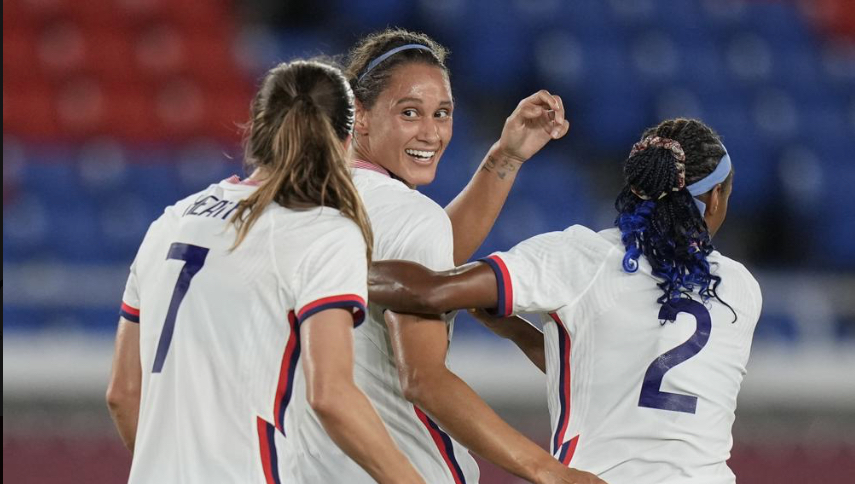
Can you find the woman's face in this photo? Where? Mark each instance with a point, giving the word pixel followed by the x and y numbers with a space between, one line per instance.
pixel 410 124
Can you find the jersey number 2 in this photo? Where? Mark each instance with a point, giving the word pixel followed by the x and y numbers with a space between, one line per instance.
pixel 651 395
pixel 194 258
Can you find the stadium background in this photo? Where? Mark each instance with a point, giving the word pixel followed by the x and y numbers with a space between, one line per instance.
pixel 114 109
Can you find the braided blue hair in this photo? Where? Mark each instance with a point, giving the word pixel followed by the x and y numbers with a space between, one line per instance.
pixel 657 216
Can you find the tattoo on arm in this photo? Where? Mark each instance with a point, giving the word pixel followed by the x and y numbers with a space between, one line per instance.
pixel 501 167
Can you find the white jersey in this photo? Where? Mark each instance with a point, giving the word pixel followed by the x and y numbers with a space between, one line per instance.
pixel 219 332
pixel 407 225
pixel 637 394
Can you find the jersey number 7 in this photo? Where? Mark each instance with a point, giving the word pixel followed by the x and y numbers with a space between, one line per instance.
pixel 194 258
pixel 651 395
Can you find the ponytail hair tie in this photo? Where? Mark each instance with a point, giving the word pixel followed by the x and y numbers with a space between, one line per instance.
pixel 679 160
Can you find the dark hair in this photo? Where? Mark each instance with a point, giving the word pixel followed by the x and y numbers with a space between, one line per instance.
pixel 300 117
pixel 367 87
pixel 657 215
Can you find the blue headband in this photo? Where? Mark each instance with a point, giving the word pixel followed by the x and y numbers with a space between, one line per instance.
pixel 392 52
pixel 708 182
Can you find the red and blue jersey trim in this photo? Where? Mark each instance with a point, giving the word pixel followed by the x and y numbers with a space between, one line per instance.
pixel 267 446
pixel 444 445
pixel 563 451
pixel 345 301
pixel 130 313
pixel 285 386
pixel 505 303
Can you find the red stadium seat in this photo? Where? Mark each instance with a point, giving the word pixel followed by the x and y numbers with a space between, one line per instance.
pixel 28 112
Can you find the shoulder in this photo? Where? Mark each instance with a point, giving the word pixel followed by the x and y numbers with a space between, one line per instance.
pixel 314 223
pixel 390 202
pixel 597 244
pixel 730 268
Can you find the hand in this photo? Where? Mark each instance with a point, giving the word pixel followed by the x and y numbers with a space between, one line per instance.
pixel 537 119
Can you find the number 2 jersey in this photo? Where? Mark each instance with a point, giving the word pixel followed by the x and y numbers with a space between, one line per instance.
pixel 637 393
pixel 219 331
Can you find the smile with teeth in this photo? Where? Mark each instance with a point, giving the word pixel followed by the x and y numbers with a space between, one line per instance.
pixel 420 155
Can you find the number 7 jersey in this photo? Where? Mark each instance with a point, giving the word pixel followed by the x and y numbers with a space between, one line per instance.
pixel 219 332
pixel 638 392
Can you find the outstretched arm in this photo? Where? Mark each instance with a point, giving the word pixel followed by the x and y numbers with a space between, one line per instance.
pixel 327 345
pixel 536 120
pixel 420 346
pixel 412 288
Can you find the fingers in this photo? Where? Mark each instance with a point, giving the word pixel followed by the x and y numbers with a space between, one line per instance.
pixel 548 110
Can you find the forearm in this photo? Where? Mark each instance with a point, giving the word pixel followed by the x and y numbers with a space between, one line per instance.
pixel 474 211
pixel 467 418
pixel 125 416
pixel 357 429
pixel 409 287
pixel 528 339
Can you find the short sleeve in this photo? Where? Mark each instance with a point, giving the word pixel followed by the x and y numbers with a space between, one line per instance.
pixel 548 271
pixel 130 309
pixel 333 274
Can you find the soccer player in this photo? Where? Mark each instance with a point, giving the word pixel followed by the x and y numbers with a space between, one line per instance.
pixel 403 124
pixel 241 303
pixel 647 328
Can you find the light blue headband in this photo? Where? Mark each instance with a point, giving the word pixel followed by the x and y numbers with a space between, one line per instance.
pixel 392 52
pixel 709 182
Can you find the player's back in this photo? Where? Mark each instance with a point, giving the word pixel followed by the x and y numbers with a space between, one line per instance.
pixel 648 394
pixel 218 335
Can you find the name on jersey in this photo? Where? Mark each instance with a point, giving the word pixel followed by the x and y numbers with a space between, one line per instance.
pixel 211 207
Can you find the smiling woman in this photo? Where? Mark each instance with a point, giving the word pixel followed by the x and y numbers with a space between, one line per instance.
pixel 404 109
pixel 403 124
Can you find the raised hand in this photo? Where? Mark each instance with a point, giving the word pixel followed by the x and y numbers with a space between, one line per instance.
pixel 536 120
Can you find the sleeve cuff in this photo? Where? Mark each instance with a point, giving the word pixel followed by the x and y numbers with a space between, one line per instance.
pixel 505 303
pixel 130 313
pixel 348 301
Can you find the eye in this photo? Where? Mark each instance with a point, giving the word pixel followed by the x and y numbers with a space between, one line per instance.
pixel 442 114
pixel 410 113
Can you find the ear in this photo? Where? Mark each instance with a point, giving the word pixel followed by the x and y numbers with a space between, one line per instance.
pixel 360 124
pixel 716 197
pixel 347 141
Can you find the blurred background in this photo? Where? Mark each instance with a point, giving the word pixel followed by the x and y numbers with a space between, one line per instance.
pixel 116 108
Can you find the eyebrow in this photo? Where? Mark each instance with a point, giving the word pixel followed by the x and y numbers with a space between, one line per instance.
pixel 419 101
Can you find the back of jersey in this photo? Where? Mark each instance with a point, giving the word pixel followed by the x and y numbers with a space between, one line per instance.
pixel 638 392
pixel 652 389
pixel 219 339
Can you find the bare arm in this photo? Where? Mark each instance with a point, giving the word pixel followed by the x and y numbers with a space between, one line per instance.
pixel 525 335
pixel 420 351
pixel 123 392
pixel 409 287
pixel 327 345
pixel 536 120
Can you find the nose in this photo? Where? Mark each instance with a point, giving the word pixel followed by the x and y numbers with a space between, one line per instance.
pixel 428 131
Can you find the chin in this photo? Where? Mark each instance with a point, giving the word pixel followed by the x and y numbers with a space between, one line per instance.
pixel 421 177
